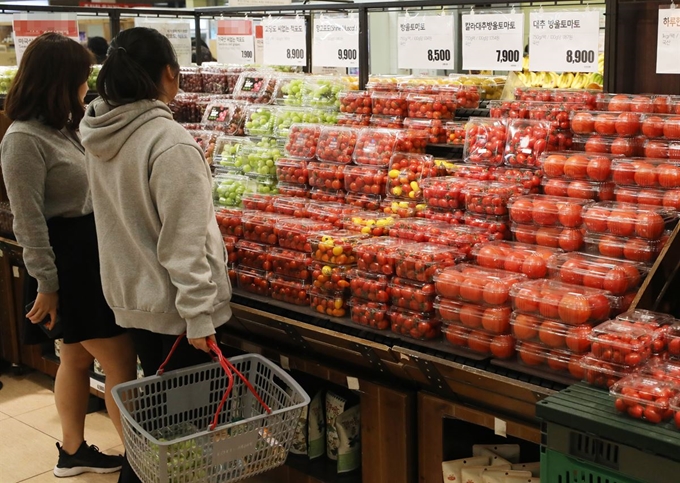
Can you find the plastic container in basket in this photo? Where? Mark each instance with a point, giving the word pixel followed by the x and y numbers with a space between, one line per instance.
pixel 485 141
pixel 355 102
pixel 645 398
pixel 628 220
pixel 538 356
pixel 414 324
pixel 375 146
pixel 253 255
pixel 530 260
pixel 369 314
pixel 436 133
pixel 578 166
pixel 544 210
pixel 646 173
pixel 256 87
pixel 295 292
pixel 332 213
pixel 476 285
pixel 336 144
pixel 195 438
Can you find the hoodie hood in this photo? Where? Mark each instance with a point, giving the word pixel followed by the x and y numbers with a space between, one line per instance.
pixel 105 129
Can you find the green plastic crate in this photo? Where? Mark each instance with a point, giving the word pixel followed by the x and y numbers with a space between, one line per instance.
pixel 557 467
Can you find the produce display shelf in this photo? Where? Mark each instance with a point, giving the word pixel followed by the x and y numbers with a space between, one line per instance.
pixel 516 366
pixel 590 410
pixel 556 466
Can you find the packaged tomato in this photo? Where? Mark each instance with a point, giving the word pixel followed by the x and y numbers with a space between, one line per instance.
pixel 334 305
pixel 646 173
pixel 477 285
pixel 293 292
pixel 584 97
pixel 661 324
pixel 536 355
pixel 616 276
pixel 253 255
pixel 451 217
pixel 291 170
pixel 377 255
pixel 336 247
pixel 623 342
pixel 302 141
pixel 490 320
pixel 290 263
pixel 616 145
pixel 668 198
pixel 295 233
pixel 333 213
pixel 464 238
pixel 369 314
pixel 665 104
pixel 259 227
pixel 436 132
pixel 291 206
pixel 485 141
pixel 479 341
pixel 370 223
pixel 413 324
pixel 570 304
pixel 421 261
pixel 603 374
pixel 364 202
pixel 253 281
pixel 354 120
pixel 572 166
pixel 645 398
pixel 365 179
pixel 375 146
pixel 455 133
pixel 230 244
pixel 490 197
pixel 390 104
pixel 673 340
pixel 336 144
pixel 530 260
pixel 259 201
pixel 293 190
pixel 355 102
pixel 549 211
pixel 635 248
pixel 466 96
pixel 419 230
pixel 526 141
pixel 528 179
pixel 387 122
pixel 368 286
pixel 658 148
pixel 476 172
pixel 607 123
pixel 624 102
pixel 411 141
pixel 401 208
pixel 629 220
pixel 431 106
pixel 551 333
pixel 444 192
pixel 330 278
pixel 497 226
pixel 405 174
pixel 659 370
pixel 256 87
pixel 229 221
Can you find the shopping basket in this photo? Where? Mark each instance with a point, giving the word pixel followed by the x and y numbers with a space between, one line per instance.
pixel 186 426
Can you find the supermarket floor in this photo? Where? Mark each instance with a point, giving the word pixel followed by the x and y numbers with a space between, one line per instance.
pixel 29 429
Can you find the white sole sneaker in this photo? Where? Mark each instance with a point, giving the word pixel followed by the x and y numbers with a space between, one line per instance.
pixel 79 470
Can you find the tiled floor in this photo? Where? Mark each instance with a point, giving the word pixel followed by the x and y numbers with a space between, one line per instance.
pixel 29 430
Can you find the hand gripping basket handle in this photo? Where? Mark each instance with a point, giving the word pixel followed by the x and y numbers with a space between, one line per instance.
pixel 229 369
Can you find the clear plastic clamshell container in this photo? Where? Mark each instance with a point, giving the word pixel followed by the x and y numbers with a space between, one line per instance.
pixel 579 189
pixel 629 220
pixel 616 145
pixel 355 102
pixel 606 123
pixel 295 292
pixel 485 141
pixel 370 223
pixel 228 189
pixel 586 97
pixel 623 342
pixel 538 356
pixel 444 192
pixel 420 230
pixel 332 213
pixel 302 140
pixel 333 305
pixel 635 248
pixel 405 175
pixel 668 198
pixel 253 255
pixel 378 255
pixel 527 259
pixel 365 179
pixel 477 285
pixel 464 238
pixel 527 140
pixel 548 211
pixel 292 170
pixel 370 314
pixel 551 333
pixel 415 325
pixel 645 398
pixel 295 233
pixel 336 247
pixel 603 374
pixel 646 173
pixel 336 144
pixel 491 197
pixel 421 261
pixel 328 176
pixel 290 263
pixel 229 221
pixel 227 149
pixel 259 226
pixel 572 166
pixel 489 319
pixel 290 206
pixel 260 120
pixel 253 281
pixel 224 116
pixel 375 146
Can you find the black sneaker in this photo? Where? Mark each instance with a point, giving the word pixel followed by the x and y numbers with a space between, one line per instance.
pixel 88 459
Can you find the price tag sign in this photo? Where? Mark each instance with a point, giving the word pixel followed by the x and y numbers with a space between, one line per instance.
pixel 668 42
pixel 29 26
pixel 425 42
pixel 493 41
pixel 285 41
pixel 336 42
pixel 259 44
pixel 564 41
pixel 235 43
pixel 178 32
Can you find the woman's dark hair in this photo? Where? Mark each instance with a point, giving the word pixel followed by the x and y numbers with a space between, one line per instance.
pixel 99 47
pixel 47 84
pixel 134 67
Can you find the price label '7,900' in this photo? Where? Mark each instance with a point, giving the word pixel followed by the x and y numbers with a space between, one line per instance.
pixel 493 41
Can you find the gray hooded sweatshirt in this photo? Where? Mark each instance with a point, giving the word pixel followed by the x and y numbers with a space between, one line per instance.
pixel 163 260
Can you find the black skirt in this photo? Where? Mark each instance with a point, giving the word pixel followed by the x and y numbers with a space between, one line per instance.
pixel 84 313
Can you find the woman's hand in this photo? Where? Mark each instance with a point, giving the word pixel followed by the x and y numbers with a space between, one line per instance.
pixel 45 304
pixel 202 343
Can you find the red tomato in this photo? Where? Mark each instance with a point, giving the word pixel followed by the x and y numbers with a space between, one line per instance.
pixel 649 225
pixel 571 239
pixel 582 190
pixel 621 222
pixel 656 149
pixel 594 277
pixel 627 124
pixel 650 197
pixel 616 281
pixel 610 246
pixel 577 338
pixel 457 336
pixel 535 267
pixel 557 361
pixel 448 284
pixel 671 199
pixel 583 123
pixel 526 234
pixel 599 168
pixel 548 237
pixel 503 346
pixel 545 213
pixel 497 320
pixel 572 272
pixel 605 124
pixel 479 342
pixel 641 104
pixel 671 128
pixel 570 215
pixel 619 103
pixel 575 368
pixel 637 250
pixel 496 292
pixel 532 354
pixel 556 187
pixel 553 166
pixel 599 307
pixel 668 176
pixel 652 127
pixel 623 146
pixel 576 167
pixel 526 300
pixel 595 219
pixel 574 309
pixel 645 174
pixel 471 316
pixel 552 334
pixel 596 144
pixel 548 305
pixel 521 210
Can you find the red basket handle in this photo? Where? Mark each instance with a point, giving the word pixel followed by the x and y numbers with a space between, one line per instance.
pixel 229 369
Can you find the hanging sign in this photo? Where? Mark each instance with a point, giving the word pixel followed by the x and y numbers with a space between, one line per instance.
pixel 28 26
pixel 336 42
pixel 564 41
pixel 259 44
pixel 235 43
pixel 178 32
pixel 285 41
pixel 425 42
pixel 493 41
pixel 668 41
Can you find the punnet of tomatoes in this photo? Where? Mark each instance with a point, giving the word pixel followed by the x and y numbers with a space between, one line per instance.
pixel 497 226
pixel 477 172
pixel 433 128
pixel 327 176
pixel 578 166
pixel 454 217
pixel 491 320
pixel 485 141
pixel 258 202
pixel 662 325
pixel 603 374
pixel 570 304
pixel 645 398
pixel 629 220
pixel 291 170
pixel 579 189
pixel 516 257
pixel 412 141
pixel 501 346
pixel 616 276
pixel 375 146
pixel 668 198
pixel 414 324
pixel 336 247
pixel 585 97
pixel 293 190
pixel 387 122
pixel 476 285
pixel 259 227
pixel 464 238
pixel 290 291
pixel 389 104
pixel 455 133
pixel 229 221
pixel 666 104
pixel 369 314
pixel 421 261
pixel 290 263
pixel 444 192
pixel 355 102
pixel 660 370
pixel 661 126
pixel 364 202
pixel 401 208
pixel 405 174
pixel 607 123
pixel 528 179
pixel 334 305
pixel 294 234
pixel 556 112
pixel 526 141
pixel 673 340
pixel 616 145
pixel 490 197
pixel 333 213
pixel 252 280
pixel 624 102
pixel 230 244
pixel 354 120
pixel 253 255
pixel 646 173
pixel 302 140
pixel 330 278
pixel 623 342
pixel 419 230
pixel 659 148
pixel 411 295
pixel 551 333
pixel 327 195
pixel 537 355
pixel 377 255
pixel 370 223
pixel 634 248
pixel 431 106
pixel 368 180
pixel 291 206
pixel 336 144
pixel 466 96
pixel 368 286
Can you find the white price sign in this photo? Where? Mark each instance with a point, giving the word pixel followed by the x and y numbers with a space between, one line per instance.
pixel 336 42
pixel 28 26
pixel 426 42
pixel 668 42
pixel 564 41
pixel 235 43
pixel 285 41
pixel 178 32
pixel 493 41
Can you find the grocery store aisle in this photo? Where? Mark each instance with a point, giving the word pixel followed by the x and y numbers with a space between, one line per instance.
pixel 29 429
